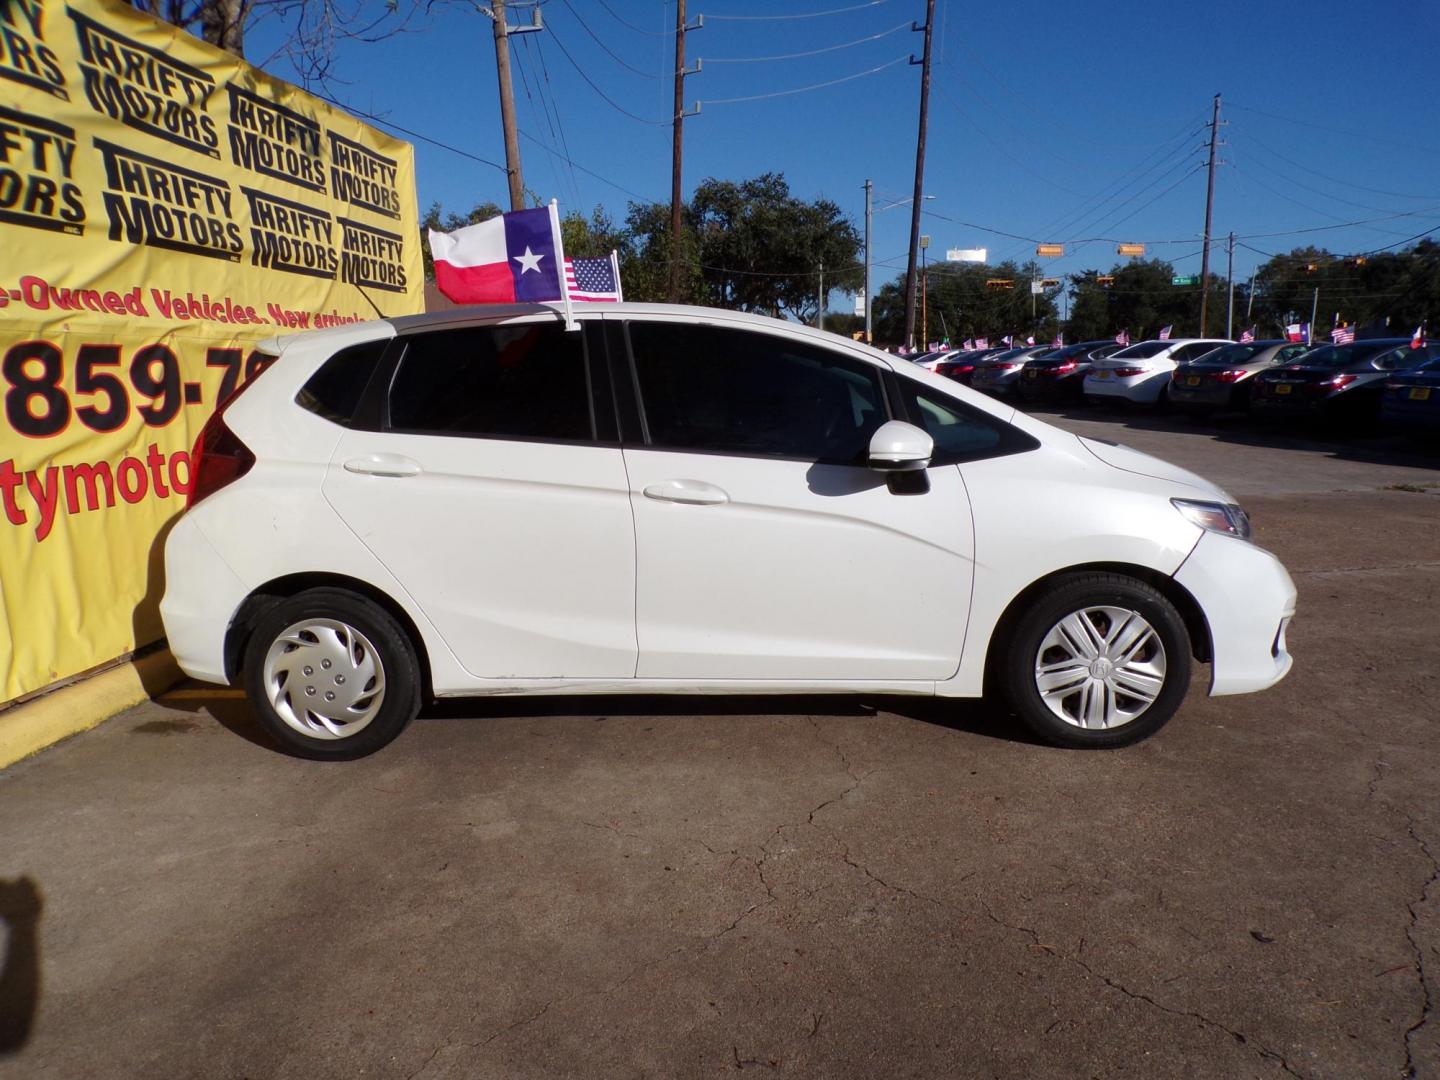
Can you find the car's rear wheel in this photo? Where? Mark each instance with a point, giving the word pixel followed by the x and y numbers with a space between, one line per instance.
pixel 1100 660
pixel 331 674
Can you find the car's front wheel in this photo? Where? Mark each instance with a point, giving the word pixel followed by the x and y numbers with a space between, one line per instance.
pixel 1099 660
pixel 331 674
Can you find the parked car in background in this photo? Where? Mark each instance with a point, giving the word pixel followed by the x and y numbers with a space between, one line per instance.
pixel 1339 385
pixel 998 374
pixel 1140 374
pixel 961 366
pixel 1221 378
pixel 1059 375
pixel 930 360
pixel 388 513
pixel 1410 401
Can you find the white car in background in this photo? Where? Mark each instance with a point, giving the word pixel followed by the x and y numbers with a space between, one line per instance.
pixel 1140 373
pixel 688 501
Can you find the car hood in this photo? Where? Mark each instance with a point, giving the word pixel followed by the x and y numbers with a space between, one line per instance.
pixel 1133 461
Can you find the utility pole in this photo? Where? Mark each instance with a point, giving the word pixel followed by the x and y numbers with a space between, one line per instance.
pixel 820 300
pixel 676 197
pixel 1250 298
pixel 496 11
pixel 919 174
pixel 1314 308
pixel 924 293
pixel 1230 289
pixel 869 338
pixel 1209 207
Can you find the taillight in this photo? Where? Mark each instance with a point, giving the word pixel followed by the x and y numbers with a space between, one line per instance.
pixel 219 458
pixel 1010 367
pixel 1068 365
pixel 1229 376
pixel 1339 382
pixel 1126 372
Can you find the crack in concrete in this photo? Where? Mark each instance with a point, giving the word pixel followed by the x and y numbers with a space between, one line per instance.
pixel 1367 569
pixel 1426 1002
pixel 745 1063
pixel 1206 1021
pixel 517 1024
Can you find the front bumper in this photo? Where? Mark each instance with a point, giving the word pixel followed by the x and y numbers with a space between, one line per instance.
pixel 1248 600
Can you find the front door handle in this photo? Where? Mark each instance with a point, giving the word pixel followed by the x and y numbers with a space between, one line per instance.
pixel 383 465
pixel 690 492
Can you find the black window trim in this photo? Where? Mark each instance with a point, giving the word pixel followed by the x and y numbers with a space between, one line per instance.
pixel 1012 439
pixel 395 356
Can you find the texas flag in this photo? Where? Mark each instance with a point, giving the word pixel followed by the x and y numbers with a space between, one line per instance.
pixel 1164 334
pixel 1008 340
pixel 1417 340
pixel 1297 332
pixel 511 258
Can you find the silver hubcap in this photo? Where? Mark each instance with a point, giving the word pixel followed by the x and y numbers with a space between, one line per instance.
pixel 1100 667
pixel 324 679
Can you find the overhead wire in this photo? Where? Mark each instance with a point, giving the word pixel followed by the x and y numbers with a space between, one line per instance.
pixel 945 95
pixel 1332 130
pixel 601 93
pixel 1334 179
pixel 632 26
pixel 523 54
pixel 802 55
pixel 373 118
pixel 609 51
pixel 549 93
pixel 804 89
pixel 800 15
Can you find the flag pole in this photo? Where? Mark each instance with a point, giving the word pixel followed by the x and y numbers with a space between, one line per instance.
pixel 570 323
pixel 615 269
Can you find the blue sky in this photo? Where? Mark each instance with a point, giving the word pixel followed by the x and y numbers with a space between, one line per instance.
pixel 1052 122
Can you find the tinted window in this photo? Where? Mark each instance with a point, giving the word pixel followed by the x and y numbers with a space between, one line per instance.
pixel 1405 357
pixel 1228 355
pixel 1290 353
pixel 508 382
pixel 1142 350
pixel 1337 356
pixel 335 390
pixel 960 432
pixel 738 392
pixel 1193 351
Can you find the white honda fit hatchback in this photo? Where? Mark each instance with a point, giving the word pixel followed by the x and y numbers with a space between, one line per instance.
pixel 682 500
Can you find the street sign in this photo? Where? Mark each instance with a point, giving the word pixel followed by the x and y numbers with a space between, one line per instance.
pixel 1000 283
pixel 973 255
pixel 1050 282
pixel 1192 279
pixel 1130 249
pixel 1037 287
pixel 1049 251
pixel 1105 279
pixel 859 303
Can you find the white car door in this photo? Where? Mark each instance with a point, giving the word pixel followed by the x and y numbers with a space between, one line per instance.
pixel 765 548
pixel 487 491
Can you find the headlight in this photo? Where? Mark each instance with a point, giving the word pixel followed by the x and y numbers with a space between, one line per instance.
pixel 1226 518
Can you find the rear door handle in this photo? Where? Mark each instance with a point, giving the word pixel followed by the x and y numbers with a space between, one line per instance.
pixel 690 492
pixel 383 465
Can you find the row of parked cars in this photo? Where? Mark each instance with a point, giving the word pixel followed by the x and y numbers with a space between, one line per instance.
pixel 1359 384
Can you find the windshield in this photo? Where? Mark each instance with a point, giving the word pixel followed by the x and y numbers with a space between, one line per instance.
pixel 1229 355
pixel 1141 350
pixel 1338 356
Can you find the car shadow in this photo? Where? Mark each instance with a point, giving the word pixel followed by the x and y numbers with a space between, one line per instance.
pixel 1241 429
pixel 961 715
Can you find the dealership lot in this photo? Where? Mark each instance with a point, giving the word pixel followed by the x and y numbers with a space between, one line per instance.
pixel 813 887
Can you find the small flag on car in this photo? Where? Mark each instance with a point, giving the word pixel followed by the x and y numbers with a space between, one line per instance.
pixel 1123 337
pixel 1164 334
pixel 1059 342
pixel 1247 336
pixel 1418 339
pixel 1343 335
pixel 594 280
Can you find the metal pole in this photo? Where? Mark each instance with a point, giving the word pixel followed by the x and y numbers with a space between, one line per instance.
pixel 1209 207
pixel 869 337
pixel 673 293
pixel 1250 298
pixel 1314 308
pixel 1230 288
pixel 924 300
pixel 507 107
pixel 820 300
pixel 919 176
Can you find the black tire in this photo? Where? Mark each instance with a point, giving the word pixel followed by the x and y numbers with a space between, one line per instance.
pixel 385 657
pixel 1016 675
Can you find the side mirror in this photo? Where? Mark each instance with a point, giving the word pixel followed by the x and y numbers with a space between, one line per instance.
pixel 900 447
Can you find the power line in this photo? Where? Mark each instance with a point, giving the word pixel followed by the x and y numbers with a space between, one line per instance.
pixel 545 111
pixel 407 131
pixel 588 172
pixel 800 55
pixel 803 15
pixel 548 92
pixel 986 136
pixel 1112 224
pixel 1331 130
pixel 603 96
pixel 806 89
pixel 1334 179
pixel 609 51
pixel 632 26
pixel 1318 191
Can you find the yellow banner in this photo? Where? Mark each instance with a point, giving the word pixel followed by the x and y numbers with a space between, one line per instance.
pixel 163 207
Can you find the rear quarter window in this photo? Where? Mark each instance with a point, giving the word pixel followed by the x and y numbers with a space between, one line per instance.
pixel 335 390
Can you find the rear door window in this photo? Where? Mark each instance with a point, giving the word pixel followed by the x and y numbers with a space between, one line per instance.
pixel 517 381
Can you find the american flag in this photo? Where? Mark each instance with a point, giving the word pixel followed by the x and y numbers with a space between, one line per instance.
pixel 1248 336
pixel 1059 342
pixel 982 343
pixel 1164 334
pixel 1122 338
pixel 969 345
pixel 592 280
pixel 1343 335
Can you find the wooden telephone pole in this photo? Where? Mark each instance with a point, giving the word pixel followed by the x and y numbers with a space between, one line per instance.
pixel 919 175
pixel 677 200
pixel 1209 208
pixel 496 12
